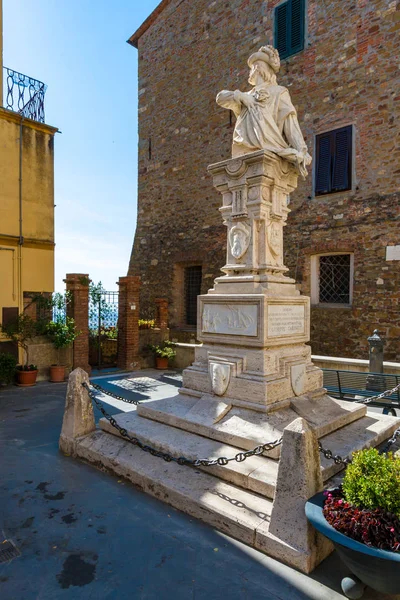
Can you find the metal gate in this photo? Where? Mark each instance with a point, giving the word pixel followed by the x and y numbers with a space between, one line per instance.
pixel 103 328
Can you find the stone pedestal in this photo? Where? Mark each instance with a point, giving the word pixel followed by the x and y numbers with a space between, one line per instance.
pixel 253 374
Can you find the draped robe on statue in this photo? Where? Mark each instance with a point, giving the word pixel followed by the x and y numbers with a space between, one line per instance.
pixel 270 124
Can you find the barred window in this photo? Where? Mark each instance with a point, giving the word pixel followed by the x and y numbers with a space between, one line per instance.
pixel 192 290
pixel 332 279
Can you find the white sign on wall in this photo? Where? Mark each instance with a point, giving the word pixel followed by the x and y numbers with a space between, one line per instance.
pixel 392 252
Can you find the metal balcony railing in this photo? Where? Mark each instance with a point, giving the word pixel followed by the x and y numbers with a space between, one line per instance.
pixel 24 95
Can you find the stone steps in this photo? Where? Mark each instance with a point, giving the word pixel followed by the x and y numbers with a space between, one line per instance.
pixel 241 428
pixel 256 473
pixel 242 514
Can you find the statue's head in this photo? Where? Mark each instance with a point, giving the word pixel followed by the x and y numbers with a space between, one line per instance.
pixel 266 63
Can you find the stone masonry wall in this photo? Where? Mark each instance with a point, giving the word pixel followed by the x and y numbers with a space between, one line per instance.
pixel 347 74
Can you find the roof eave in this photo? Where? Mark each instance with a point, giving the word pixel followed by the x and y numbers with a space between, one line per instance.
pixel 134 39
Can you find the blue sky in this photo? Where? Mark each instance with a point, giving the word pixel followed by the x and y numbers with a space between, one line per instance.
pixel 78 48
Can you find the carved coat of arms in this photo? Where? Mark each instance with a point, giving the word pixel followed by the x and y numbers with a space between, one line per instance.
pixel 298 378
pixel 220 375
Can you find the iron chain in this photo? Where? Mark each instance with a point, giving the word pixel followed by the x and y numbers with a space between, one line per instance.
pixel 385 394
pixel 338 460
pixel 222 460
pixel 116 396
pixel 181 460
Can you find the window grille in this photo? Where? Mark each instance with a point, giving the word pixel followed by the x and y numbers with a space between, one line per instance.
pixel 334 279
pixel 192 290
pixel 333 161
pixel 290 27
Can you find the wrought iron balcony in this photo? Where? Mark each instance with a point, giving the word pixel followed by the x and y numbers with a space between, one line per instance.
pixel 24 95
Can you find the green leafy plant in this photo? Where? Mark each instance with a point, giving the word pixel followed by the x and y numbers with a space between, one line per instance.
pixel 20 331
pixel 146 323
pixel 163 350
pixel 62 334
pixel 8 364
pixel 372 481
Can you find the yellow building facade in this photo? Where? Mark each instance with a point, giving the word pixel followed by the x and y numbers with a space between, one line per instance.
pixel 26 192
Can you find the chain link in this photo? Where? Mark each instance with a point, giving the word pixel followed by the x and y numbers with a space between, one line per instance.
pixel 181 460
pixel 116 396
pixel 385 394
pixel 338 460
pixel 392 440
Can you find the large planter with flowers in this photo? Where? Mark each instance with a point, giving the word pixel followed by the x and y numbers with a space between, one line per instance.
pixel 379 569
pixel 362 519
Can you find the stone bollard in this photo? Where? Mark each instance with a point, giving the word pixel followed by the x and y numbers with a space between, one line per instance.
pixel 299 478
pixel 374 382
pixel 78 415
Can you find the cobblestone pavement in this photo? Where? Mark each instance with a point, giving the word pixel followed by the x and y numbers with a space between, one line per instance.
pixel 84 534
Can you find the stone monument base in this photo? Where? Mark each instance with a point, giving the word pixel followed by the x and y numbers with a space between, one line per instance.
pixel 259 501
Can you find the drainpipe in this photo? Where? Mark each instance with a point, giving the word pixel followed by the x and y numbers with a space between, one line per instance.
pixel 20 236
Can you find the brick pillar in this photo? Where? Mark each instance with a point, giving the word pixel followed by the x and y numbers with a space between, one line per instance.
pixel 78 309
pixel 128 325
pixel 161 313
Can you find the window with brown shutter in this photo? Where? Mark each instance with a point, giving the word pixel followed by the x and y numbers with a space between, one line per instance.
pixel 333 161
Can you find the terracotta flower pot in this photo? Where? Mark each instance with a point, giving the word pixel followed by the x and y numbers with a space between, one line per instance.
pixel 161 362
pixel 26 378
pixel 57 373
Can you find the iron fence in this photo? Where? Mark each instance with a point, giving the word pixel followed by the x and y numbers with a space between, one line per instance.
pixel 24 95
pixel 103 327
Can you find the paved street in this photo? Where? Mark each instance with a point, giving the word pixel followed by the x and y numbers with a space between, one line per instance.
pixel 84 534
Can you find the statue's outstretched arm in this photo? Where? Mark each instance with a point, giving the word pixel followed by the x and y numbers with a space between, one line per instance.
pixel 230 100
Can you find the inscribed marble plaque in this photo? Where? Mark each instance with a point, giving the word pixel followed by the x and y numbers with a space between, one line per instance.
pixel 230 319
pixel 286 319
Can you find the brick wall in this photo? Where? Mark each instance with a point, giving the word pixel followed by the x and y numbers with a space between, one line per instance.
pixel 128 327
pixel 347 74
pixel 78 309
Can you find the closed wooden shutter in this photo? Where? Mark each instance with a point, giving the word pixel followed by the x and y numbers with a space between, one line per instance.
pixel 333 161
pixel 289 27
pixel 341 176
pixel 323 164
pixel 281 37
pixel 296 26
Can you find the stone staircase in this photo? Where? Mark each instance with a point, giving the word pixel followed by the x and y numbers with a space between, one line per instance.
pixel 256 474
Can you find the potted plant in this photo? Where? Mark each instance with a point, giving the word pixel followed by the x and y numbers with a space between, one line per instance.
pixel 8 364
pixel 62 333
pixel 163 352
pixel 20 331
pixel 146 323
pixel 362 519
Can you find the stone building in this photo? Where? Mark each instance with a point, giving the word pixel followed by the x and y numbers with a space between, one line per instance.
pixel 26 193
pixel 339 59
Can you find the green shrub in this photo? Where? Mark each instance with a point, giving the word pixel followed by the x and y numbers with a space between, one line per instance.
pixel 8 364
pixel 372 480
pixel 163 350
pixel 62 334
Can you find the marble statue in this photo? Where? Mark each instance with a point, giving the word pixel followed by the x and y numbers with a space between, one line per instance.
pixel 266 117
